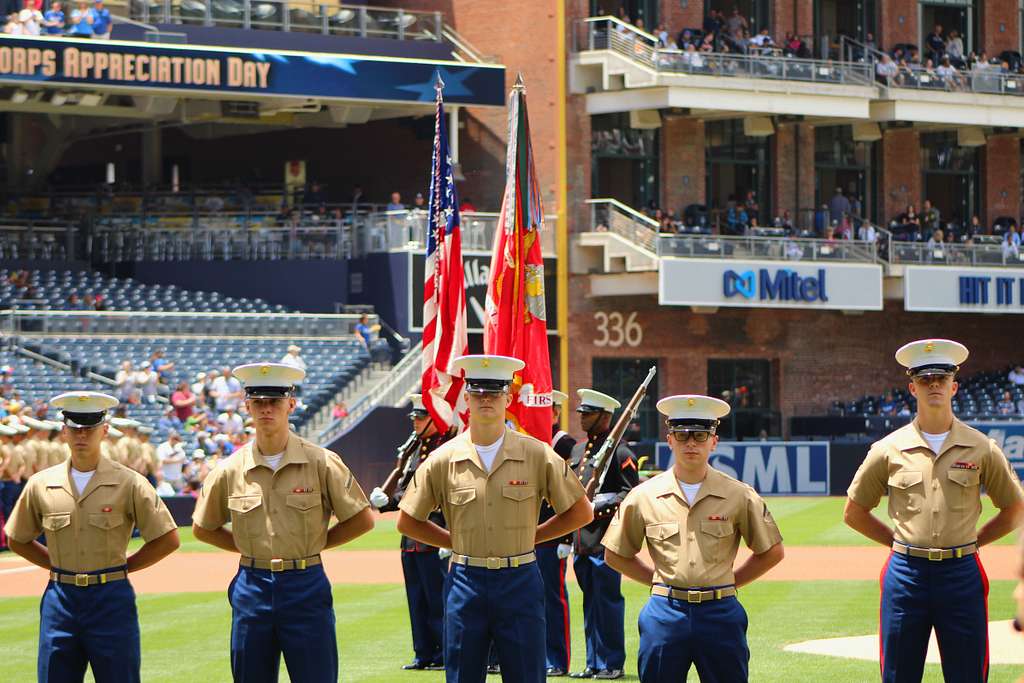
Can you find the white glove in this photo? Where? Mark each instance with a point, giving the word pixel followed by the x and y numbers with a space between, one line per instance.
pixel 563 550
pixel 378 498
pixel 444 553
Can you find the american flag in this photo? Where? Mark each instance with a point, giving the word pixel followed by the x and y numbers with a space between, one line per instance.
pixel 444 292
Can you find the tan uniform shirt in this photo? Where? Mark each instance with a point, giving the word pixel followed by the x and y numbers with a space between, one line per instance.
pixel 110 451
pixel 282 514
pixel 17 467
pixel 10 462
pixel 151 462
pixel 935 501
pixel 492 514
pixel 29 457
pixel 88 531
pixel 692 546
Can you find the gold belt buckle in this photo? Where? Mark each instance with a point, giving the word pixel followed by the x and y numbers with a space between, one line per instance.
pixel 694 597
pixel 492 562
pixel 934 554
pixel 81 580
pixel 300 564
pixel 277 565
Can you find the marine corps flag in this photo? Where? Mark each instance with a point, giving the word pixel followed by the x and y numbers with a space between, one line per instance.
pixel 516 323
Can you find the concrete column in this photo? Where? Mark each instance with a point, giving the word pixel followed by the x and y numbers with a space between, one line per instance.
pixel 793 170
pixel 1001 177
pixel 152 156
pixel 900 173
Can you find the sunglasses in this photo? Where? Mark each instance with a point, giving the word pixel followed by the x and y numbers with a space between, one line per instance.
pixel 683 436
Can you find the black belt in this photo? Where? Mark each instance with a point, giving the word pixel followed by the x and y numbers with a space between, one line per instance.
pixel 278 565
pixel 696 595
pixel 83 580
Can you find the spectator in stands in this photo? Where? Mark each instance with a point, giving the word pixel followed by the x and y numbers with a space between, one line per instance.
pixel 886 70
pixel 314 196
pixel 935 44
pixel 955 49
pixel 973 228
pixel 664 41
pixel 1006 406
pixel 936 240
pixel 230 422
pixel 931 219
pixel 838 206
pixel 467 206
pixel 226 391
pixel 396 202
pixel 685 40
pixel 81 20
pixel 1011 244
pixel 821 220
pixel 184 401
pixel 101 21
pixel 163 489
pixel 1016 375
pixel 171 456
pixel 12 26
pixel 339 411
pixel 419 203
pixel 949 75
pixel 169 421
pixel 714 22
pixel 888 405
pixel 736 22
pixel 867 233
pixel 161 365
pixel 31 20
pixel 125 380
pixel 146 380
pixel 365 331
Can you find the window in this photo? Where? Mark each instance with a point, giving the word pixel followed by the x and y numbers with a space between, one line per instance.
pixel 624 161
pixel 737 164
pixel 619 378
pixel 745 384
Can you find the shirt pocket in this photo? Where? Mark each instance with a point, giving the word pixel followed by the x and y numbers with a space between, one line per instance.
pixel 461 504
pixel 663 544
pixel 56 521
pixel 105 520
pixel 906 493
pixel 519 512
pixel 715 539
pixel 246 514
pixel 964 489
pixel 306 510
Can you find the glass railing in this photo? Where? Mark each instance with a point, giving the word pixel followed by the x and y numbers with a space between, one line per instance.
pixel 609 33
pixel 294 15
pixel 947 254
pixel 44 239
pixel 397 230
pixel 219 324
pixel 989 80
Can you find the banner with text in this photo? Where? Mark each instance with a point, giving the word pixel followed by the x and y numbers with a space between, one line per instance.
pixel 769 284
pixel 149 66
pixel 963 290
pixel 783 468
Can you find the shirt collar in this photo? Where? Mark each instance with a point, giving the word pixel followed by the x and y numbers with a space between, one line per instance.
pixel 464 449
pixel 294 453
pixel 960 434
pixel 713 485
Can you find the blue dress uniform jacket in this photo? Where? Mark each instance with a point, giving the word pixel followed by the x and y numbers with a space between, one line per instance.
pixel 604 608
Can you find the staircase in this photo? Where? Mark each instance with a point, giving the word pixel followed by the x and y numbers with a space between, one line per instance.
pixel 620 240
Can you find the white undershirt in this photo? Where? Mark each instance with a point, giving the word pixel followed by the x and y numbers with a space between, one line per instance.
pixel 273 460
pixel 935 440
pixel 689 490
pixel 81 479
pixel 489 453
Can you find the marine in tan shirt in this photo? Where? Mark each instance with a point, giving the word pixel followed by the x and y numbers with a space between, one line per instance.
pixel 489 483
pixel 933 471
pixel 87 508
pixel 692 518
pixel 279 492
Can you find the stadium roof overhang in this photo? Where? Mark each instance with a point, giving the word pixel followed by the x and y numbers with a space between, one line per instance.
pixel 192 83
pixel 950 109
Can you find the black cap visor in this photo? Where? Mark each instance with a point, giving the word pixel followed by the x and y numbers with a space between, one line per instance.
pixel 934 369
pixel 268 392
pixel 486 386
pixel 83 420
pixel 690 424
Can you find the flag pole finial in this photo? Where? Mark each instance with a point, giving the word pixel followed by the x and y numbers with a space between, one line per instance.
pixel 438 83
pixel 519 82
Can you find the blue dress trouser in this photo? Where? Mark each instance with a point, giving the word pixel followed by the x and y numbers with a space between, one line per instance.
pixel 556 607
pixel 675 634
pixel 9 496
pixel 289 612
pixel 424 586
pixel 604 612
pixel 505 606
pixel 950 596
pixel 95 626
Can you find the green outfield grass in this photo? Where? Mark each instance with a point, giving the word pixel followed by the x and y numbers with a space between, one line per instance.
pixel 186 635
pixel 813 521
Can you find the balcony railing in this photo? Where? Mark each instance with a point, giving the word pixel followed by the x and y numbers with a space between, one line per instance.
pixel 397 230
pixel 946 254
pixel 294 15
pixel 609 33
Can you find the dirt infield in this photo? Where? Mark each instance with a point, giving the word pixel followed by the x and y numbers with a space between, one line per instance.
pixel 203 572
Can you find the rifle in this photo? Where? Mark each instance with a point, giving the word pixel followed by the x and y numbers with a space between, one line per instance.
pixel 405 452
pixel 603 458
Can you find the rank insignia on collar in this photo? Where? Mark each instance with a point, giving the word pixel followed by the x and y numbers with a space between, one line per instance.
pixel 962 465
pixel 717 518
pixel 518 482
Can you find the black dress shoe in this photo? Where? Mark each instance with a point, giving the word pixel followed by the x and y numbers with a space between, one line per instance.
pixel 435 666
pixel 586 673
pixel 555 671
pixel 609 674
pixel 414 665
pixel 493 669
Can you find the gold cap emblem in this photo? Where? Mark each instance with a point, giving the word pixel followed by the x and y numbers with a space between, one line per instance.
pixel 691 402
pixel 486 362
pixel 265 370
pixel 929 347
pixel 83 399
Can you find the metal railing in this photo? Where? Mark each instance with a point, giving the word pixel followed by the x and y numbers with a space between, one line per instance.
pixel 609 215
pixel 403 379
pixel 43 239
pixel 982 81
pixel 296 15
pixel 398 230
pixel 946 254
pixel 609 33
pixel 222 324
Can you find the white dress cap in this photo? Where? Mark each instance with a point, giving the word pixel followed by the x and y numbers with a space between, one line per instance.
pixel 932 356
pixel 591 400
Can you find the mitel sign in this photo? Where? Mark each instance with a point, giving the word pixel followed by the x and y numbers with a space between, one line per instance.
pixel 785 468
pixel 783 285
pixel 708 282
